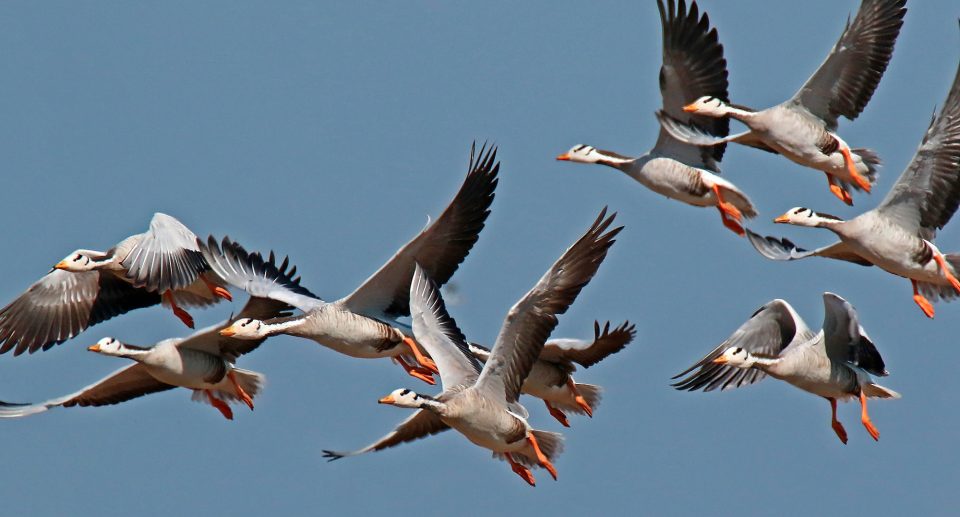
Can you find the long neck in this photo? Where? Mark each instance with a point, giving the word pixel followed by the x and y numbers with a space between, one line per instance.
pixel 134 352
pixel 765 363
pixel 738 112
pixel 433 405
pixel 286 325
pixel 612 159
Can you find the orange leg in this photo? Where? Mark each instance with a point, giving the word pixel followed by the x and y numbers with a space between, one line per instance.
pixel 834 423
pixel 729 214
pixel 582 402
pixel 865 418
pixel 946 270
pixel 541 458
pixel 184 316
pixel 216 290
pixel 414 371
pixel 219 404
pixel 244 396
pixel 521 471
pixel 839 191
pixel 424 361
pixel 924 304
pixel 559 415
pixel 852 167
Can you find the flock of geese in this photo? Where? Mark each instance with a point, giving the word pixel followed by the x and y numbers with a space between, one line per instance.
pixel 481 387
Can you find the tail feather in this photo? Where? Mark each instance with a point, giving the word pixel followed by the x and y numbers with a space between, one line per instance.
pixel 251 382
pixel 872 160
pixel 944 292
pixel 877 391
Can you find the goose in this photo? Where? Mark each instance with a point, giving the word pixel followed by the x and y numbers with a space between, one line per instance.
pixel 803 129
pixel 482 402
pixel 898 234
pixel 835 363
pixel 161 265
pixel 551 378
pixel 693 66
pixel 364 323
pixel 202 362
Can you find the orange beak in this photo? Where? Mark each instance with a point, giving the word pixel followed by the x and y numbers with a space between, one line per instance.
pixel 61 265
pixel 94 348
pixel 565 157
pixel 387 400
pixel 228 332
pixel 720 360
pixel 689 108
pixel 782 219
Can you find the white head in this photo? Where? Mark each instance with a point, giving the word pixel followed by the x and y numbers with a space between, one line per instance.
pixel 245 328
pixel 707 105
pixel 404 397
pixel 81 260
pixel 736 356
pixel 581 154
pixel 801 216
pixel 108 346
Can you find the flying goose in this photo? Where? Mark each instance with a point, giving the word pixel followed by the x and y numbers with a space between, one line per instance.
pixel 897 236
pixel 551 378
pixel 482 402
pixel 364 323
pixel 693 66
pixel 202 362
pixel 803 129
pixel 162 265
pixel 835 363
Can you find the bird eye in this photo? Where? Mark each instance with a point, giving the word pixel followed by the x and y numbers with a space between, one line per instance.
pixel 78 257
pixel 404 392
pixel 244 324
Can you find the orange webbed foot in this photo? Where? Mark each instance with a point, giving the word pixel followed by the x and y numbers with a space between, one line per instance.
pixel 841 194
pixel 424 361
pixel 220 405
pixel 521 471
pixel 184 316
pixel 559 415
pixel 924 304
pixel 865 418
pixel 541 457
pixel 852 168
pixel 578 398
pixel 241 393
pixel 841 432
pixel 731 224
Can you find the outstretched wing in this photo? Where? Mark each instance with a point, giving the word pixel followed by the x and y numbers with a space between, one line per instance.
pixel 783 249
pixel 439 248
pixel 63 304
pixel 532 319
pixel 438 333
pixel 165 257
pixel 766 333
pixel 693 67
pixel 589 353
pixel 122 385
pixel 926 195
pixel 258 277
pixel 421 424
pixel 845 340
pixel 847 79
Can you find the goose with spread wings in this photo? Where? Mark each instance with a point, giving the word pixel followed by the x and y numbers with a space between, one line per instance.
pixel 693 66
pixel 835 363
pixel 803 129
pixel 551 378
pixel 482 402
pixel 364 324
pixel 161 265
pixel 898 235
pixel 202 362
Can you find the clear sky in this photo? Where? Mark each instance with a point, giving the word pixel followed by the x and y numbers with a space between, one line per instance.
pixel 330 131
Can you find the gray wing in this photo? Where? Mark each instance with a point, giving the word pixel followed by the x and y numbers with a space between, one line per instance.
pixel 165 257
pixel 437 332
pixel 122 385
pixel 532 319
pixel 63 304
pixel 439 248
pixel 767 333
pixel 693 67
pixel 783 249
pixel 845 340
pixel 210 341
pixel 258 277
pixel 848 77
pixel 589 353
pixel 926 195
pixel 421 424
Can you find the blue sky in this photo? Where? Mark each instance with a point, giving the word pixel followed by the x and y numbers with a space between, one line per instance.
pixel 331 132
